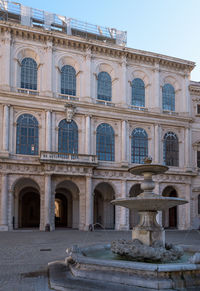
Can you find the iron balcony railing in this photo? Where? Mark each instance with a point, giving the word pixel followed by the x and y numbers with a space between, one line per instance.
pixel 67 157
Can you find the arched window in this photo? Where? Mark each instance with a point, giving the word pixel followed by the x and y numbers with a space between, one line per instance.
pixel 105 142
pixel 68 80
pixel 139 145
pixel 68 137
pixel 29 74
pixel 138 93
pixel 104 88
pixel 27 135
pixel 168 97
pixel 199 204
pixel 171 149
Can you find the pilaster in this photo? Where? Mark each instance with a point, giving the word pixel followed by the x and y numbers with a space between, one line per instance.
pixel 47 202
pixel 4 203
pixel 48 130
pixel 89 203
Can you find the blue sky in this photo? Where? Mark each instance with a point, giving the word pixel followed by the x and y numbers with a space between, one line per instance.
pixel 170 27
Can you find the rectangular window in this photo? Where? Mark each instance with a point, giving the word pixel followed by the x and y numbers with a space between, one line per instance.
pixel 198 108
pixel 198 159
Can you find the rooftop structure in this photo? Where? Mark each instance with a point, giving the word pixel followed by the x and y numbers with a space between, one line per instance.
pixel 15 12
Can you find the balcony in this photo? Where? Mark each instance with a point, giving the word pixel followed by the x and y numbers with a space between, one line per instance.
pixel 104 102
pixel 140 108
pixel 28 91
pixel 68 97
pixel 169 112
pixel 68 158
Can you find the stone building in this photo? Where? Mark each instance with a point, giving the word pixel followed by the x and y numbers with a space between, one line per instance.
pixel 77 109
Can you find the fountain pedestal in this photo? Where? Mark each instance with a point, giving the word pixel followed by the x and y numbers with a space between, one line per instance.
pixel 148 231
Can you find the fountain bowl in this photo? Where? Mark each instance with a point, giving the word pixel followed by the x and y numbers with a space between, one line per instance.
pixel 149 202
pixel 155 169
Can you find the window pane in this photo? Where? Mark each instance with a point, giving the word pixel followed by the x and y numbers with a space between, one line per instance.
pixel 168 97
pixel 27 135
pixel 104 87
pixel 171 149
pixel 139 145
pixel 29 74
pixel 68 80
pixel 138 93
pixel 68 137
pixel 105 142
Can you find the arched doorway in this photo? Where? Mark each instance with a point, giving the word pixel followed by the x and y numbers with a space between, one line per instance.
pixel 29 208
pixel 169 216
pixel 67 205
pixel 63 208
pixel 133 214
pixel 104 211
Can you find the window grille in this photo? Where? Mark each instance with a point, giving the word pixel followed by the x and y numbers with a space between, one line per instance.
pixel 68 137
pixel 68 80
pixel 139 145
pixel 138 93
pixel 105 142
pixel 29 74
pixel 104 87
pixel 171 149
pixel 168 97
pixel 27 135
pixel 198 159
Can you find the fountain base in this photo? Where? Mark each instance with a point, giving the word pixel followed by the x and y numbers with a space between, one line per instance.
pixel 148 231
pixel 84 270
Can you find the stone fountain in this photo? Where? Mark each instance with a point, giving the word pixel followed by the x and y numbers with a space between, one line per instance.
pixel 144 263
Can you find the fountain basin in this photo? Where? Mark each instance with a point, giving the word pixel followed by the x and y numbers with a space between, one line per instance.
pixel 150 203
pixel 84 267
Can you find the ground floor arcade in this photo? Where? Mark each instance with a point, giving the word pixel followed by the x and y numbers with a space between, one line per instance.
pixel 80 201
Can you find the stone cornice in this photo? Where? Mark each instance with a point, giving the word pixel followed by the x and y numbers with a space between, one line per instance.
pixel 96 47
pixel 194 89
pixel 44 103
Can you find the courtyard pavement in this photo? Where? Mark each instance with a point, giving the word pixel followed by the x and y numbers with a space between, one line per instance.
pixel 24 254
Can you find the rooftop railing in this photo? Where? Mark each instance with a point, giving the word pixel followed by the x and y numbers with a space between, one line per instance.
pixel 16 12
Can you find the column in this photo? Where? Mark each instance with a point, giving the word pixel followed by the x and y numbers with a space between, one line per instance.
pixel 6 119
pixel 87 72
pixel 47 201
pixel 88 135
pixel 157 98
pixel 89 203
pixel 46 76
pixel 188 148
pixel 124 83
pixel 4 203
pixel 5 77
pixel 157 143
pixel 123 211
pixel 48 131
pixel 124 143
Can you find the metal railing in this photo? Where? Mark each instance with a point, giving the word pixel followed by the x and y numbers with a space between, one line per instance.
pixel 13 11
pixel 67 157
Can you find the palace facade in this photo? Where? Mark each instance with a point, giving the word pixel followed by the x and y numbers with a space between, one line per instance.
pixel 77 109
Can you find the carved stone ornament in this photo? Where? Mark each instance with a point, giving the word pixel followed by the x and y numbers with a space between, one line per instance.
pixel 70 110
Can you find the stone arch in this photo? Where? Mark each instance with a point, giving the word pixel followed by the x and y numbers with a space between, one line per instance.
pixel 66 204
pixel 170 216
pixel 27 203
pixel 170 79
pixel 135 190
pixel 104 211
